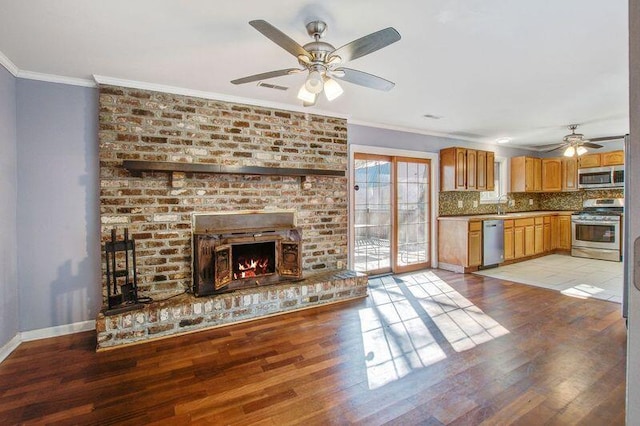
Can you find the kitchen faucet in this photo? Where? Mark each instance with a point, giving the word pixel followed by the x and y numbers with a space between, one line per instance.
pixel 501 208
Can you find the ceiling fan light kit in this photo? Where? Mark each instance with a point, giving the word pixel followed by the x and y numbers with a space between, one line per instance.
pixel 575 144
pixel 323 62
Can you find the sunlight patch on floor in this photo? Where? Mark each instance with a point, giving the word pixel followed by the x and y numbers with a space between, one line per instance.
pixel 400 331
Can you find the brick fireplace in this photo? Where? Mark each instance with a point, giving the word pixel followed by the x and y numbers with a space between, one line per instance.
pixel 223 158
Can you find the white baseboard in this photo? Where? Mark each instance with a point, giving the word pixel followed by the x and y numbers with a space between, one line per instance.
pixel 11 345
pixel 59 330
pixel 43 333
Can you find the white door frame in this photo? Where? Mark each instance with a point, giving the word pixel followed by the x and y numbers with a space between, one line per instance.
pixel 434 184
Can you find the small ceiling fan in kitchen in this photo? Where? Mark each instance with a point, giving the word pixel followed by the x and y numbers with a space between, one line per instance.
pixel 323 62
pixel 575 144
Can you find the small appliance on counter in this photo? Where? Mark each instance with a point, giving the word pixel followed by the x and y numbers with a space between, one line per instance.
pixel 596 230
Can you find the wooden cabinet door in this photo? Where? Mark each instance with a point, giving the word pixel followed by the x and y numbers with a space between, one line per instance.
pixel 569 174
pixel 481 170
pixel 518 242
pixel 589 160
pixel 538 238
pixel 491 161
pixel 529 240
pixel 555 232
pixel 528 174
pixel 547 234
pixel 537 174
pixel 461 168
pixel 613 158
pixel 564 224
pixel 551 174
pixel 508 240
pixel 475 244
pixel 472 169
pixel 453 169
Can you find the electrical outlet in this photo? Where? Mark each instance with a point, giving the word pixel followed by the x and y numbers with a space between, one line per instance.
pixel 512 203
pixel 460 204
pixel 530 201
pixel 475 204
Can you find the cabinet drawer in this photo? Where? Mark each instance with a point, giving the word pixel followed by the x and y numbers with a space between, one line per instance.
pixel 524 222
pixel 539 220
pixel 508 223
pixel 475 226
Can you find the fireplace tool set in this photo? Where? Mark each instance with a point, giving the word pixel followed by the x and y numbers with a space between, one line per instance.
pixel 122 280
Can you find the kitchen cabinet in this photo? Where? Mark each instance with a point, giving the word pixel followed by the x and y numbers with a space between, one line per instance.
pixel 508 240
pixel 523 237
pixel 546 234
pixel 459 244
pixel 538 237
pixel 491 161
pixel 475 243
pixel 569 174
pixel 613 158
pixel 518 242
pixel 551 174
pixel 564 232
pixel 526 174
pixel 602 159
pixel 464 169
pixel 555 232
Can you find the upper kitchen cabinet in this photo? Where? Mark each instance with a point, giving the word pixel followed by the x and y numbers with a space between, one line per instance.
pixel 569 174
pixel 463 169
pixel 552 174
pixel 601 159
pixel 526 174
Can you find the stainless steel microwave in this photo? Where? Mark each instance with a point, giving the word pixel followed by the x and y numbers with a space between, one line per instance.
pixel 601 177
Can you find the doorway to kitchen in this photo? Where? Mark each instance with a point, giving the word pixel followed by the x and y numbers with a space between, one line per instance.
pixel 392 213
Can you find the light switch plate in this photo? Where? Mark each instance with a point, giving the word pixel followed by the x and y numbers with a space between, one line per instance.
pixel 460 204
pixel 512 203
pixel 475 204
pixel 530 201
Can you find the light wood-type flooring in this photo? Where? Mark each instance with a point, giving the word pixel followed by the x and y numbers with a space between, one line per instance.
pixel 426 348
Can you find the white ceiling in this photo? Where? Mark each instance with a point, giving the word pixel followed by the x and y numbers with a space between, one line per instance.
pixel 489 68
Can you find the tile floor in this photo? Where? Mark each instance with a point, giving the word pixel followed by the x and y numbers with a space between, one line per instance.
pixel 573 276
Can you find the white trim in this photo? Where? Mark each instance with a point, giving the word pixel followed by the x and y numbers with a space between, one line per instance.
pixel 59 330
pixel 435 185
pixel 10 66
pixel 100 79
pixel 51 78
pixel 11 345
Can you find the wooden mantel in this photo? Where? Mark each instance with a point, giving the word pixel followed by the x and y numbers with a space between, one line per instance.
pixel 136 166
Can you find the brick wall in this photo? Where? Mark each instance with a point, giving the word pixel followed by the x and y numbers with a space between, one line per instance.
pixel 156 207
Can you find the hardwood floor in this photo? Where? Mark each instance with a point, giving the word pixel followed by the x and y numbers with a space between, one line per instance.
pixel 426 348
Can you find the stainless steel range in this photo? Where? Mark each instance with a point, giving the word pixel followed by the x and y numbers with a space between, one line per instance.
pixel 596 231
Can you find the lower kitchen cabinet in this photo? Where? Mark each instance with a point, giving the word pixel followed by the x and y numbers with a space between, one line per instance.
pixel 564 231
pixel 508 240
pixel 546 234
pixel 538 239
pixel 459 244
pixel 475 243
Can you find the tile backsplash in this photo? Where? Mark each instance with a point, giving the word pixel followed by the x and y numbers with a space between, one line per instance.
pixel 523 202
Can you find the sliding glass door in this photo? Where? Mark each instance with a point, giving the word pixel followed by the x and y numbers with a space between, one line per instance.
pixel 392 213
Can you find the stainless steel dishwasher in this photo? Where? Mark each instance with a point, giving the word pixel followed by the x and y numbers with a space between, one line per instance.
pixel 492 242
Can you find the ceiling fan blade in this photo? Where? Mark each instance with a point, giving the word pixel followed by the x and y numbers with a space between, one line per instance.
pixel 279 38
pixel 265 75
pixel 363 79
pixel 591 145
pixel 367 44
pixel 607 138
pixel 549 148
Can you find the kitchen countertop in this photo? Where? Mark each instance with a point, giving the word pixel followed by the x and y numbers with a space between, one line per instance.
pixel 515 215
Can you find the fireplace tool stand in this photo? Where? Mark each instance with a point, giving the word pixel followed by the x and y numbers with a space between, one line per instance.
pixel 122 284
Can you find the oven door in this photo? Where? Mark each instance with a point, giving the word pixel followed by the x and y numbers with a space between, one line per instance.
pixel 595 234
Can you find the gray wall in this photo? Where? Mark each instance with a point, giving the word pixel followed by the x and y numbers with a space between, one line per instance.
pixel 9 312
pixel 384 138
pixel 58 228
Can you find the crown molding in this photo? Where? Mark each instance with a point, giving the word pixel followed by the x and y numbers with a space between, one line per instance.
pixel 133 84
pixel 51 78
pixel 414 131
pixel 10 66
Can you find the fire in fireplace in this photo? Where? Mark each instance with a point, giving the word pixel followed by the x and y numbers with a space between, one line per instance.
pixel 253 260
pixel 233 251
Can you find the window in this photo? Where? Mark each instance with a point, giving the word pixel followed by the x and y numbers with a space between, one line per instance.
pixel 499 185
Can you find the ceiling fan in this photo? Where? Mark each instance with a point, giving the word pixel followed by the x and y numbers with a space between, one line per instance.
pixel 575 144
pixel 323 62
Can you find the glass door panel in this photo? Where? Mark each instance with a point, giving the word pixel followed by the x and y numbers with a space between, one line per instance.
pixel 412 213
pixel 372 189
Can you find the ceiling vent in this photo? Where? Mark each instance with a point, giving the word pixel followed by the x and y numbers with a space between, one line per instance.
pixel 272 86
pixel 432 117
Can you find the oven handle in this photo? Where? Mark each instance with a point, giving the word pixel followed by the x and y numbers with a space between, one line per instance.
pixel 592 222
